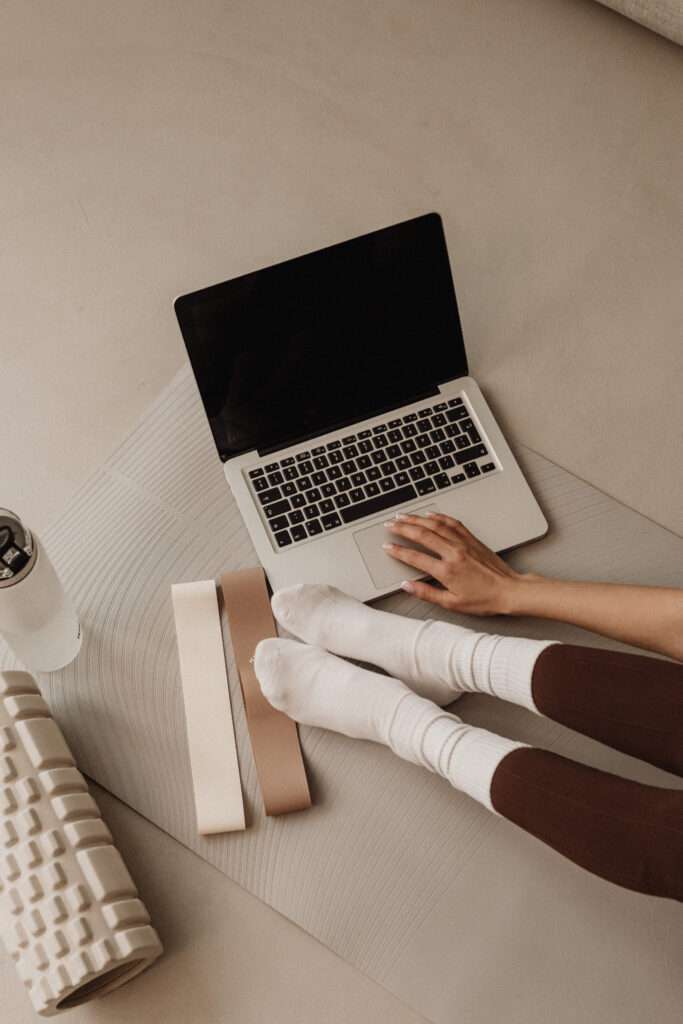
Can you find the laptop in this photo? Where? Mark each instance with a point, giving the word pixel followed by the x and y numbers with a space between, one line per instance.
pixel 337 389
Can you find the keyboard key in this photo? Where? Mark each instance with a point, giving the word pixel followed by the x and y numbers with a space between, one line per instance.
pixel 314 528
pixel 439 421
pixel 446 461
pixel 475 437
pixel 374 473
pixel 298 500
pixel 475 452
pixel 423 426
pixel 440 407
pixel 291 473
pixel 328 490
pixel 393 451
pixel 423 441
pixel 333 445
pixel 410 430
pixel 409 445
pixel 351 451
pixel 348 467
pixel 394 436
pixel 288 489
pixel 303 455
pixel 442 481
pixel 319 478
pixel 381 441
pixel 334 472
pixel 253 473
pixel 271 467
pixel 455 401
pixel 388 469
pixel 298 533
pixel 378 504
pixel 417 473
pixel 403 462
pixel 342 500
pixel 433 451
pixel 319 450
pixel 456 414
pixel 425 486
pixel 261 484
pixel 363 461
pixel 431 468
pixel 466 424
pixel 424 412
pixel 371 490
pixel 313 495
pixel 273 494
pixel 472 469
pixel 326 505
pixel 418 458
pixel 462 442
pixel 387 484
pixel 447 447
pixel 279 523
pixel 304 483
pixel 296 516
pixel 410 418
pixel 394 423
pixel 349 439
pixel 283 538
pixel 378 457
pixel 344 484
pixel 401 479
pixel 336 457
pixel 329 522
pixel 437 435
pixel 452 430
pixel 380 428
pixel 306 467
pixel 44 744
pixel 357 479
pixel 274 479
pixel 458 478
pixel 365 433
pixel 488 467
pixel 311 512
pixel 321 462
pixel 356 494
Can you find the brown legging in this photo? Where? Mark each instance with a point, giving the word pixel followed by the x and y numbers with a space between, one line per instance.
pixel 623 831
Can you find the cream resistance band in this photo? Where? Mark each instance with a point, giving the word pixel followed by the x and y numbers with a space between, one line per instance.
pixel 274 738
pixel 210 732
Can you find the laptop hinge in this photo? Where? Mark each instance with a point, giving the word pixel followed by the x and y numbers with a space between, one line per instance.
pixel 428 393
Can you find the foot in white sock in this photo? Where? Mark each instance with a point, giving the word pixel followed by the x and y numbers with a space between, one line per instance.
pixel 316 688
pixel 438 660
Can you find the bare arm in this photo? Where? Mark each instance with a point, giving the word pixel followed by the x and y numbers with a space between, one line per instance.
pixel 479 582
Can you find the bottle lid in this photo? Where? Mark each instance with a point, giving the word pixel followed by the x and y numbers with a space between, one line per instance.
pixel 17 550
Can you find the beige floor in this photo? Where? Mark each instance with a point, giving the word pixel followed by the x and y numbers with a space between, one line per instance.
pixel 148 149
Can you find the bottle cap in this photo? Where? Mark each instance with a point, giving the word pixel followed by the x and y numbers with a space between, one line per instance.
pixel 17 551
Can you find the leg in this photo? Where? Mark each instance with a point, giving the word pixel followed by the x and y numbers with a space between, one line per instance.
pixel 629 701
pixel 625 832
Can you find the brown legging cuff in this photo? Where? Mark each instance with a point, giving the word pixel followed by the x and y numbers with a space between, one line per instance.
pixel 629 701
pixel 623 831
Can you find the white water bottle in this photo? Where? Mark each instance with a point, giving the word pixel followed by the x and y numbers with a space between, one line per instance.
pixel 37 619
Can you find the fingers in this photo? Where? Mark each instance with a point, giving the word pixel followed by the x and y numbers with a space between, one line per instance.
pixel 418 559
pixel 458 527
pixel 428 592
pixel 431 536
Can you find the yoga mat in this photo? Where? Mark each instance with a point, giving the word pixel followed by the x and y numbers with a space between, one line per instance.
pixel 458 913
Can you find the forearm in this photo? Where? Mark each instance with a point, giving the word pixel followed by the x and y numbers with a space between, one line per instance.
pixel 648 617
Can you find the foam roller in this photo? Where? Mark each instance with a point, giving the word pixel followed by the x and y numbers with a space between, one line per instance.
pixel 70 915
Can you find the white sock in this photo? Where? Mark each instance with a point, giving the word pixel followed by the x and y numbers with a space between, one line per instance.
pixel 316 688
pixel 438 660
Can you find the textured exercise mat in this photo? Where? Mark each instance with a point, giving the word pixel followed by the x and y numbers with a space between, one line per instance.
pixel 457 912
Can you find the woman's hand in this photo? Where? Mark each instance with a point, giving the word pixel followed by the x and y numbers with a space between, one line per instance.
pixel 477 581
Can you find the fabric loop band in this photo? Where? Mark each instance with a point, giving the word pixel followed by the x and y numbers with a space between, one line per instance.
pixel 274 737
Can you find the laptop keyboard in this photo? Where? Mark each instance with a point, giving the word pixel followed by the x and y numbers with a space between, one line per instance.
pixel 345 481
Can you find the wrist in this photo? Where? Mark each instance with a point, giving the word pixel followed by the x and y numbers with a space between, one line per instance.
pixel 520 595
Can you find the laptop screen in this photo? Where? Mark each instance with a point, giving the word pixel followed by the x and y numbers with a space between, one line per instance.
pixel 321 341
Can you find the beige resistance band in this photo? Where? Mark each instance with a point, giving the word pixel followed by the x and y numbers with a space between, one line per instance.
pixel 274 739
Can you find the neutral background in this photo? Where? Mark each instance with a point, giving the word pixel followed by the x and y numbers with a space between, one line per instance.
pixel 149 148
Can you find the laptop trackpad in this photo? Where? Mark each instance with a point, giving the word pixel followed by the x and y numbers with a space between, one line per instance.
pixel 384 570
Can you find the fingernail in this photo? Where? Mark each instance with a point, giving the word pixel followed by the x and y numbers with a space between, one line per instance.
pixel 432 515
pixel 390 522
pixel 408 586
pixel 401 515
pixel 387 546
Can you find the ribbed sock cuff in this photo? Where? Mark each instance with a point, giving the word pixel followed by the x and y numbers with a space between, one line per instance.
pixel 505 664
pixel 470 758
